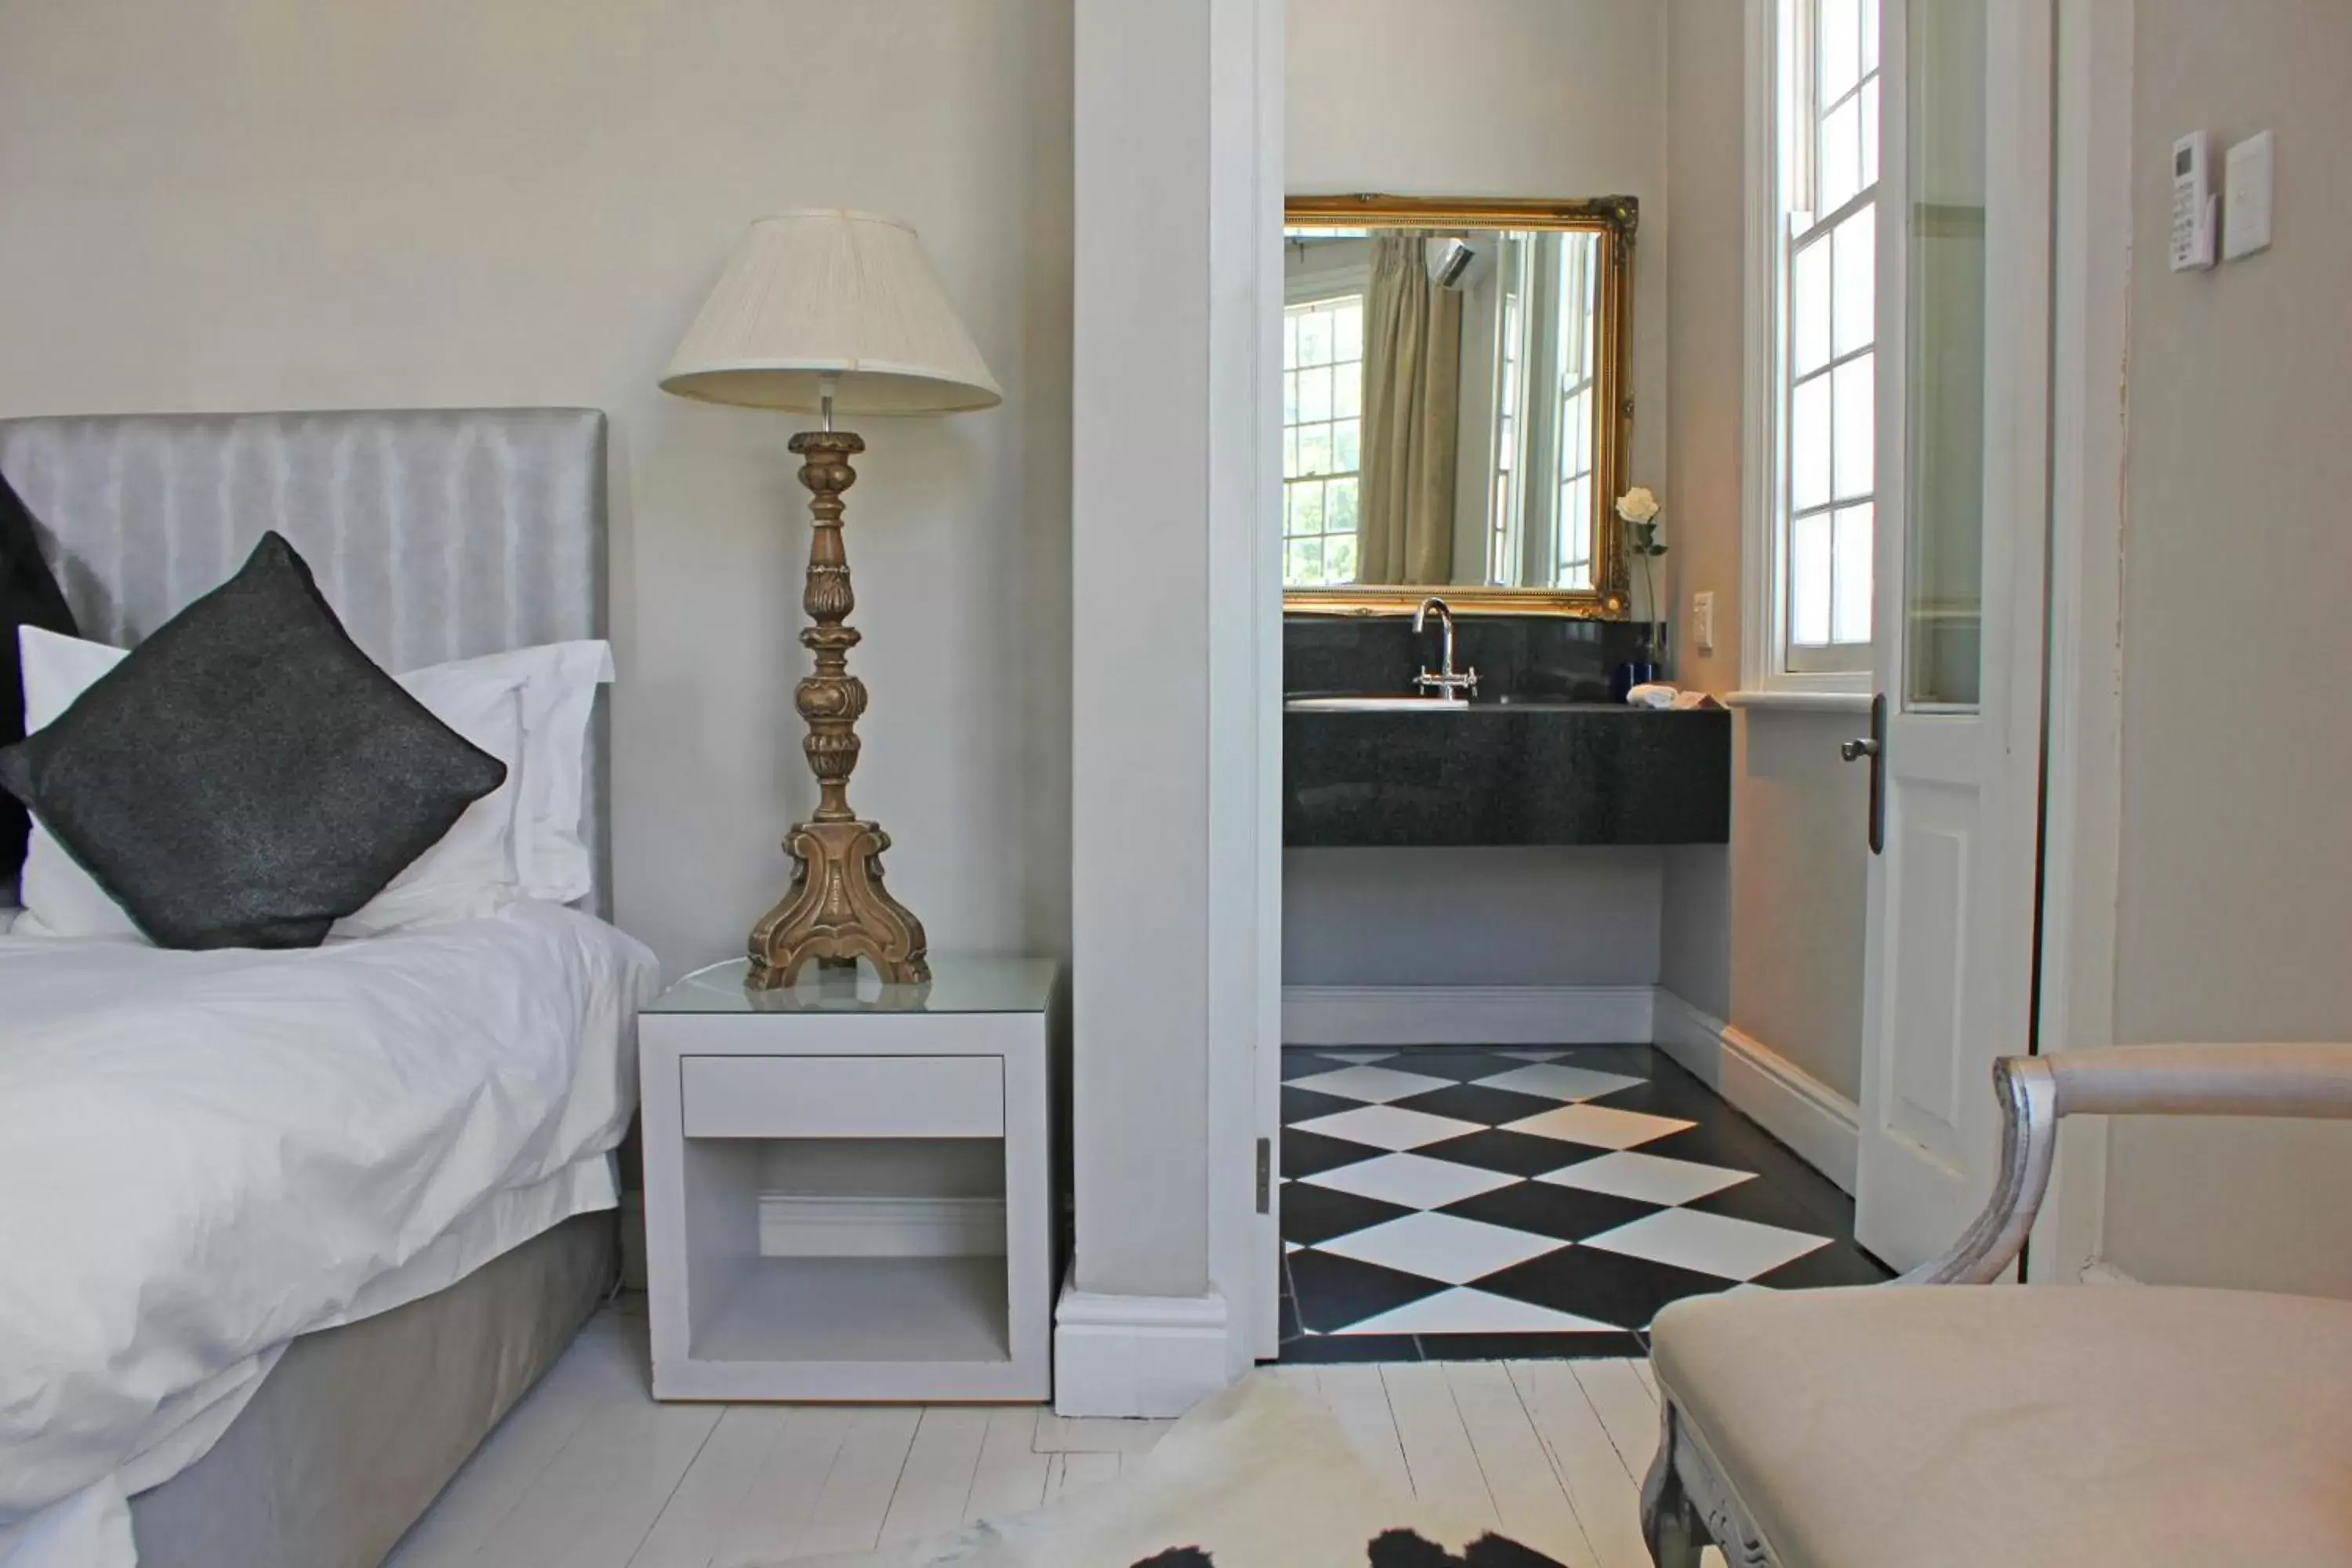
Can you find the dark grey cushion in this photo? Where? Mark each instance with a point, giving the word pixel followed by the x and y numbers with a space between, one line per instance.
pixel 247 776
pixel 28 597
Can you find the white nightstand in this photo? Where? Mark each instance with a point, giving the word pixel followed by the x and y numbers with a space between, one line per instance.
pixel 847 1188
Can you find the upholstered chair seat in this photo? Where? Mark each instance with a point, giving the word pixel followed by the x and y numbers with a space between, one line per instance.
pixel 1907 1426
pixel 2024 1426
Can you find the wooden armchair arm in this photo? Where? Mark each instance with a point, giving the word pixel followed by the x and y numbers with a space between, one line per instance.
pixel 2314 1081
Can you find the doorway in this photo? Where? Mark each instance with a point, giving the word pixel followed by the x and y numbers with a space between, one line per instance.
pixel 1937 545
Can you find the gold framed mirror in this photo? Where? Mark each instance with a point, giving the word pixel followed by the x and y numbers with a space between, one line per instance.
pixel 1454 404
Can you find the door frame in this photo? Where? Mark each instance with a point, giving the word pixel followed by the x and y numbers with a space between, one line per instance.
pixel 2083 706
pixel 2083 665
pixel 1260 1315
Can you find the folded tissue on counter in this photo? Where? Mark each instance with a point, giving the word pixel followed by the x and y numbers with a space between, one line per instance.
pixel 1652 694
pixel 1658 694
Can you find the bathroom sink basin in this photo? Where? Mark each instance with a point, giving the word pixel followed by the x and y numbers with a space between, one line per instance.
pixel 1374 705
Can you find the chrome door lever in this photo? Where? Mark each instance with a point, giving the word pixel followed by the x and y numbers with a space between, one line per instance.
pixel 1871 748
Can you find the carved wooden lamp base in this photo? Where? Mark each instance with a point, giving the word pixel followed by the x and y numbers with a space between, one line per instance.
pixel 837 911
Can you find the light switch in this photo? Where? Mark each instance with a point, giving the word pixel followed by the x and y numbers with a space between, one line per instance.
pixel 1703 622
pixel 2246 198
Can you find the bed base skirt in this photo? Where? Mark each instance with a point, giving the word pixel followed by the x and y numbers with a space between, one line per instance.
pixel 357 1428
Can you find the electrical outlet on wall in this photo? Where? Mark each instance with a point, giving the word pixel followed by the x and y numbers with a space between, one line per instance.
pixel 1703 621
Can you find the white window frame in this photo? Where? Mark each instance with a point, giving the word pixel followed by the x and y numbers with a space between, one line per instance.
pixel 1507 502
pixel 1766 678
pixel 1540 425
pixel 1587 386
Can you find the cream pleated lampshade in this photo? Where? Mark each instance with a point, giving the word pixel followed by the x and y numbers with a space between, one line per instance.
pixel 826 293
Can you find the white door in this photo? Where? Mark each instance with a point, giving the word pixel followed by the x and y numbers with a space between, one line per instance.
pixel 1965 268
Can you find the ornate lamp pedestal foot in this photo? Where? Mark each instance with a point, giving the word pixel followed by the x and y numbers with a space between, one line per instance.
pixel 837 911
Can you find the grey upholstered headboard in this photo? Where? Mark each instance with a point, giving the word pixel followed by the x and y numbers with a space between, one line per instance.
pixel 435 533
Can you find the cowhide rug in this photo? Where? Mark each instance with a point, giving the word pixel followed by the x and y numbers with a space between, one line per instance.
pixel 1260 1477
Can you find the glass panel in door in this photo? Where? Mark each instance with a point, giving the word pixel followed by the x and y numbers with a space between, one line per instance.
pixel 1943 592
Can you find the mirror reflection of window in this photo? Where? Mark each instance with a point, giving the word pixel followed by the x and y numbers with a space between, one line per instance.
pixel 1322 401
pixel 1442 411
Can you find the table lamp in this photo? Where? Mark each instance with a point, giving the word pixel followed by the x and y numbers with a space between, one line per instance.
pixel 831 312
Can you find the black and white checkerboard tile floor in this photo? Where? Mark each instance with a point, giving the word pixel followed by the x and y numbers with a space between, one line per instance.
pixel 1446 1203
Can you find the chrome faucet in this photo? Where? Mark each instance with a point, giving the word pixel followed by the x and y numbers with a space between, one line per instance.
pixel 1448 686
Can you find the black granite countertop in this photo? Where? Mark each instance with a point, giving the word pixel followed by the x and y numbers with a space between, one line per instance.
pixel 1513 770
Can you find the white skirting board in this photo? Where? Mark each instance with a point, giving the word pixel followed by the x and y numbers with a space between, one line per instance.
pixel 1817 1121
pixel 1466 1015
pixel 791 1225
pixel 1138 1355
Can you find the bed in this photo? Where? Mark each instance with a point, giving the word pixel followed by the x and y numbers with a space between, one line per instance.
pixel 437 536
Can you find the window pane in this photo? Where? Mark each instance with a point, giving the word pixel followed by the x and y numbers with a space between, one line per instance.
pixel 1808 445
pixel 1348 331
pixel 1290 339
pixel 1870 131
pixel 1857 426
pixel 1841 47
pixel 1808 580
pixel 1854 281
pixel 1841 153
pixel 1315 449
pixel 1293 565
pixel 1344 456
pixel 1851 574
pixel 1307 509
pixel 1339 559
pixel 1575 534
pixel 1314 337
pixel 1310 559
pixel 1575 431
pixel 1340 508
pixel 1869 36
pixel 1314 394
pixel 1290 454
pixel 1809 292
pixel 1348 391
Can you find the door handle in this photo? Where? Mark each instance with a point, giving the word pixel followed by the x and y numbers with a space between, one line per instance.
pixel 1872 747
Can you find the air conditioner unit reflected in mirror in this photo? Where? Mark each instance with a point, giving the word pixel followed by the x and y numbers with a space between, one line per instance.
pixel 1456 263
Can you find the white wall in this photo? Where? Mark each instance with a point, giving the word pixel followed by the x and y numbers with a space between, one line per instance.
pixel 1175 636
pixel 1546 916
pixel 263 204
pixel 1141 709
pixel 1768 933
pixel 1496 97
pixel 2233 921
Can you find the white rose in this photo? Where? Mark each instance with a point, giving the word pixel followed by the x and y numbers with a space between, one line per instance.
pixel 1637 505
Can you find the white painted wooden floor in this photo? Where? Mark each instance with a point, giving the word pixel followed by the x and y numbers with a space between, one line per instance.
pixel 588 1472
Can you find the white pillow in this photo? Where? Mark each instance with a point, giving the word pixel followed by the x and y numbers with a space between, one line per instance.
pixel 497 852
pixel 472 871
pixel 560 682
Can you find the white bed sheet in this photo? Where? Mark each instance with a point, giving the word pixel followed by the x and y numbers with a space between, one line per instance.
pixel 203 1155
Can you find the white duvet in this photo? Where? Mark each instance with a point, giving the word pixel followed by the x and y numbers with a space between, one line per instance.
pixel 205 1154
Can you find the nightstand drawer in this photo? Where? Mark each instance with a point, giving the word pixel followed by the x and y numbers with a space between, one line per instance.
pixel 842 1097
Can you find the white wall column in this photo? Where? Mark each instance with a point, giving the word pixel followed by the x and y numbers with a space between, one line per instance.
pixel 1175 625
